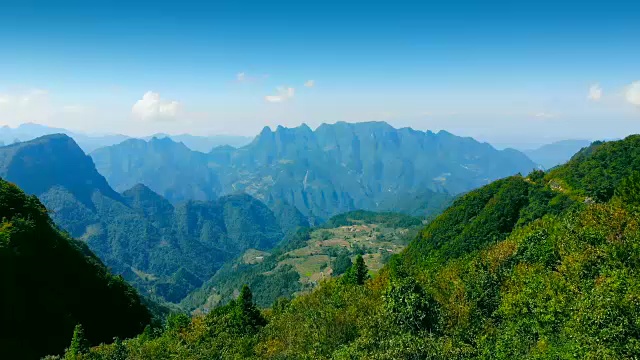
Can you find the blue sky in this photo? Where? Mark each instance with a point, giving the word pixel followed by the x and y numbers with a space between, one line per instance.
pixel 510 72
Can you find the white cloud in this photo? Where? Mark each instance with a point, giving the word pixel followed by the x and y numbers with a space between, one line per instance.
pixel 309 83
pixel 544 115
pixel 282 94
pixel 243 77
pixel 153 107
pixel 25 106
pixel 25 98
pixel 632 93
pixel 595 92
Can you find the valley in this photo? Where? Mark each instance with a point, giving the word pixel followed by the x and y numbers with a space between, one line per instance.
pixel 309 257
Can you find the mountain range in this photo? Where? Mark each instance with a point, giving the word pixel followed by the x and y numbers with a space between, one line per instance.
pixel 540 265
pixel 90 142
pixel 336 168
pixel 177 215
pixel 165 250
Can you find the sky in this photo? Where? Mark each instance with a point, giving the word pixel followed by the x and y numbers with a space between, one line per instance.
pixel 514 73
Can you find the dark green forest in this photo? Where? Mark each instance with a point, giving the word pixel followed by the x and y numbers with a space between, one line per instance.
pixel 49 283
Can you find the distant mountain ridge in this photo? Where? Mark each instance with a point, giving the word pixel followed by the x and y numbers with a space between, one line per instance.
pixel 336 168
pixel 556 153
pixel 90 142
pixel 164 250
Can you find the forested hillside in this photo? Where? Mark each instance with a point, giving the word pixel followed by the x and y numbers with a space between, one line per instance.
pixel 166 251
pixel 308 257
pixel 49 283
pixel 544 266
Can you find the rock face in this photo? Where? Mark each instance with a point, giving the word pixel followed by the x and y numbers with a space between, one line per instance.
pixel 336 168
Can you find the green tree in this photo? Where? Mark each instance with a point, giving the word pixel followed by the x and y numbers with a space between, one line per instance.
pixel 629 190
pixel 245 313
pixel 358 273
pixel 536 176
pixel 177 322
pixel 409 307
pixel 342 263
pixel 79 344
pixel 119 350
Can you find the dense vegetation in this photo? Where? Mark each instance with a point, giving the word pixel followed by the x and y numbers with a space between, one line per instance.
pixel 538 267
pixel 164 250
pixel 49 283
pixel 307 257
pixel 336 168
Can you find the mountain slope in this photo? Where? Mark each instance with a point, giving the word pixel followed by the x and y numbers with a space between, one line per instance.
pixel 336 168
pixel 49 283
pixel 171 169
pixel 163 250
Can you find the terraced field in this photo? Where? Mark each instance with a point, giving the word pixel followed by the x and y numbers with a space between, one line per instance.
pixel 299 265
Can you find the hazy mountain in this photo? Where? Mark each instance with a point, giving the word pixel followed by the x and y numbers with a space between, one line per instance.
pixel 49 283
pixel 556 153
pixel 162 249
pixel 30 131
pixel 205 143
pixel 169 168
pixel 91 142
pixel 336 168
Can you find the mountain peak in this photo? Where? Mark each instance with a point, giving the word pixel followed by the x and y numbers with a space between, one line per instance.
pixel 50 161
pixel 266 130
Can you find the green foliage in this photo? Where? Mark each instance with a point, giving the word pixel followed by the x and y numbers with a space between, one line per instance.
pixel 628 191
pixel 303 258
pixel 387 219
pixel 358 273
pixel 49 283
pixel 409 307
pixel 79 344
pixel 342 263
pixel 596 171
pixel 247 314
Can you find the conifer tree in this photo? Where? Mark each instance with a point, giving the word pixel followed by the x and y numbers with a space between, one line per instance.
pixel 249 315
pixel 360 270
pixel 358 273
pixel 79 344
